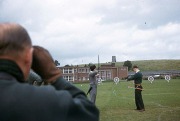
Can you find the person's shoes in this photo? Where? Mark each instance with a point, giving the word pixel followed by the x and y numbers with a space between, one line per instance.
pixel 141 110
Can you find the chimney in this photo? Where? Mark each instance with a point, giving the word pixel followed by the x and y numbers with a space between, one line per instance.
pixel 113 59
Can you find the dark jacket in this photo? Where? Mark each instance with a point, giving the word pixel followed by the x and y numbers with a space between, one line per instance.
pixel 137 77
pixel 58 102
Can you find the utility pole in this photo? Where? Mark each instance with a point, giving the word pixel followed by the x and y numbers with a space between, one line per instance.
pixel 98 63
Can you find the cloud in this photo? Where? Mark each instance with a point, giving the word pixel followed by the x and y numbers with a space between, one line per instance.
pixel 78 31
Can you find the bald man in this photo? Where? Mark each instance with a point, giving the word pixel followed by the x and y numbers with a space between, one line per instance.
pixel 19 101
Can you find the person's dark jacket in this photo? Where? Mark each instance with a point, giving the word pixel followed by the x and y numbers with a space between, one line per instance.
pixel 137 77
pixel 60 101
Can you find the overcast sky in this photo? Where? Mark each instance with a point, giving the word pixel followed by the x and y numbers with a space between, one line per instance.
pixel 77 31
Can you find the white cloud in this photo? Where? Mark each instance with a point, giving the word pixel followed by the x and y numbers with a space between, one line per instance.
pixel 78 31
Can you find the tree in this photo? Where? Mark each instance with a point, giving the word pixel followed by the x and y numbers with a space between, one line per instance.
pixel 128 64
pixel 56 63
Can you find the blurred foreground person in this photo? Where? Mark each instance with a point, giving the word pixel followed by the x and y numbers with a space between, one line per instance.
pixel 137 77
pixel 19 101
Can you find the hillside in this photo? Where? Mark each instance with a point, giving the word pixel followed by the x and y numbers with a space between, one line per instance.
pixel 151 65
pixel 155 65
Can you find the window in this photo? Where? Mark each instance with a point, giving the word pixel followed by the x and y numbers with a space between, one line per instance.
pixel 68 78
pixel 65 70
pixel 70 70
pixel 123 69
pixel 108 74
pixel 105 74
pixel 83 71
pixel 87 70
pixel 75 70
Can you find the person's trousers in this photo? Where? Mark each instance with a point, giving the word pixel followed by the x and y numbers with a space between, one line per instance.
pixel 138 99
pixel 93 93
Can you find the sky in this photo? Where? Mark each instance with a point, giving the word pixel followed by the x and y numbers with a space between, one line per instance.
pixel 77 31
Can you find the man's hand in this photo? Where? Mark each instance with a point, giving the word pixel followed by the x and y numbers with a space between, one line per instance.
pixel 43 64
pixel 128 78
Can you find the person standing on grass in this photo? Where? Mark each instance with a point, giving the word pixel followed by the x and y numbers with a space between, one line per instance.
pixel 137 77
pixel 93 83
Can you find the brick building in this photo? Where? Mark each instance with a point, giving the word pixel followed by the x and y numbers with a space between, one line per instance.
pixel 106 71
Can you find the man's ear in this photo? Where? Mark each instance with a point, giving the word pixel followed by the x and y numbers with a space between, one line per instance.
pixel 28 55
pixel 28 60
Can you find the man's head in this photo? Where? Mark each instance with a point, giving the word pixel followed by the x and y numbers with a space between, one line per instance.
pixel 92 67
pixel 15 45
pixel 135 68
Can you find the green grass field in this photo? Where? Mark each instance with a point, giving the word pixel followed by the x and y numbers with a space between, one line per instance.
pixel 116 102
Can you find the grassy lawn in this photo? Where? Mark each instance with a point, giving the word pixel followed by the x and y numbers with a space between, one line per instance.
pixel 116 102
